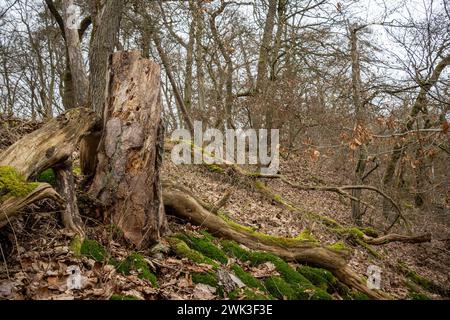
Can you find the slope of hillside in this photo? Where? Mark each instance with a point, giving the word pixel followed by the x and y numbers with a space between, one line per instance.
pixel 41 251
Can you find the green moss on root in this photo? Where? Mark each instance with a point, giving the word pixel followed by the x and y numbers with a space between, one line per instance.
pixel 324 280
pixel 247 278
pixel 136 262
pixel 371 232
pixel 280 289
pixel 248 294
pixel 214 168
pixel 304 236
pixel 355 295
pixel 356 233
pixel 331 223
pixel 204 246
pixel 76 244
pixel 418 296
pixel 208 278
pixel 233 249
pixel 207 235
pixel 338 246
pixel 422 281
pixel 252 295
pixel 319 277
pixel 235 225
pixel 13 184
pixel 76 170
pixel 302 286
pixel 368 247
pixel 281 241
pixel 182 249
pixel 93 250
pixel 274 196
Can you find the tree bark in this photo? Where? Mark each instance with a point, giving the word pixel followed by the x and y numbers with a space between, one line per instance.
pixel 264 50
pixel 359 115
pixel 197 8
pixel 65 186
pixel 229 66
pixel 106 23
pixel 78 72
pixel 106 26
pixel 127 175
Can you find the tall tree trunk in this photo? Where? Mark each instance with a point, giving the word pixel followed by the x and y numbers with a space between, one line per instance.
pixel 178 98
pixel 79 77
pixel 359 123
pixel 68 97
pixel 188 68
pixel 262 76
pixel 264 49
pixel 199 53
pixel 420 105
pixel 106 24
pixel 65 186
pixel 229 66
pixel 281 13
pixel 127 176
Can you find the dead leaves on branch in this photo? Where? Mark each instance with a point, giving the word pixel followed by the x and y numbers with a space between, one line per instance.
pixel 361 136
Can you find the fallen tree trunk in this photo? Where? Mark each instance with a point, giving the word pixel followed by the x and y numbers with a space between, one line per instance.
pixel 187 207
pixel 51 146
pixel 14 205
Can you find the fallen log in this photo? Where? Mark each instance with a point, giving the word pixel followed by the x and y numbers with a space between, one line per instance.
pixel 188 208
pixel 50 146
pixel 14 205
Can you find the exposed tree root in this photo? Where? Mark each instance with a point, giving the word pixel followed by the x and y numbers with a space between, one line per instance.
pixel 362 238
pixel 341 190
pixel 423 282
pixel 397 238
pixel 187 207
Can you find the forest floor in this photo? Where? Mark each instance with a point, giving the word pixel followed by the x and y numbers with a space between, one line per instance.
pixel 41 250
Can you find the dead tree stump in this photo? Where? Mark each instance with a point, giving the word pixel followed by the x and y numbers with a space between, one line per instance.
pixel 127 175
